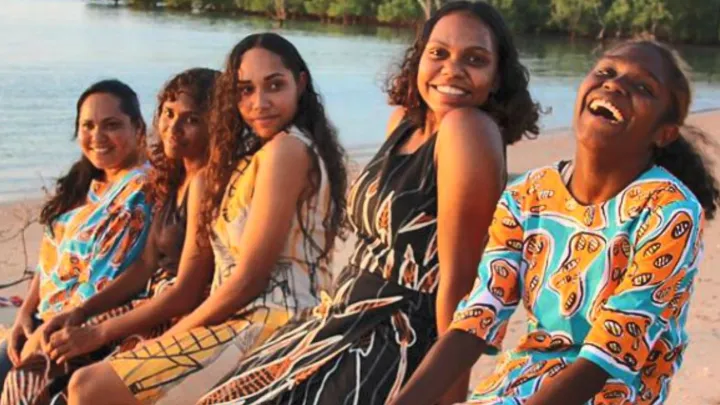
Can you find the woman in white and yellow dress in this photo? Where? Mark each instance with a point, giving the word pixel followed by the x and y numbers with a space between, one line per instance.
pixel 273 199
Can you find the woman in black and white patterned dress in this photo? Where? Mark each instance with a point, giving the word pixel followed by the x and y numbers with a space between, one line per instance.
pixel 420 211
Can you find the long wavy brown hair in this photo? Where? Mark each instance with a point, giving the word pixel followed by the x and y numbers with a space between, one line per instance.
pixel 511 105
pixel 232 140
pixel 167 174
pixel 72 188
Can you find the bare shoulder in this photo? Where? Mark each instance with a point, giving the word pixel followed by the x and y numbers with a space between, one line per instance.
pixel 469 128
pixel 199 180
pixel 469 135
pixel 196 191
pixel 286 150
pixel 395 117
pixel 468 122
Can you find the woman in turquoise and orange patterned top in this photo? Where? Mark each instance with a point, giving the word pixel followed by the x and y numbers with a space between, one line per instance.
pixel 602 252
pixel 97 221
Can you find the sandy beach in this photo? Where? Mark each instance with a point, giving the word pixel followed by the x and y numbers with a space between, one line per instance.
pixel 694 384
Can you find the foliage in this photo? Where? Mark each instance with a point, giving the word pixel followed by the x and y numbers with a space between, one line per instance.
pixel 696 21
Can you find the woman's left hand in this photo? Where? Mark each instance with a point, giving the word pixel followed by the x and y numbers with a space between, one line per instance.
pixel 73 341
pixel 73 317
pixel 33 344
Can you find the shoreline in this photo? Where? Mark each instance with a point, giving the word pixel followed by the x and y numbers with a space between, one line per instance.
pixel 358 154
pixel 411 22
pixel 694 384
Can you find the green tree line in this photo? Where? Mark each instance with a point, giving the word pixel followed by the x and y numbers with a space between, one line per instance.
pixel 691 21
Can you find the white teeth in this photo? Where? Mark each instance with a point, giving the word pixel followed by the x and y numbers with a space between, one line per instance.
pixel 450 90
pixel 600 103
pixel 102 150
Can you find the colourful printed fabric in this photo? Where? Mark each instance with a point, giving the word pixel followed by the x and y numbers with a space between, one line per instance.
pixel 362 344
pixel 609 283
pixel 39 381
pixel 92 244
pixel 182 367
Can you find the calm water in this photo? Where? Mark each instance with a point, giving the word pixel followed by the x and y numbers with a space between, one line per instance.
pixel 51 50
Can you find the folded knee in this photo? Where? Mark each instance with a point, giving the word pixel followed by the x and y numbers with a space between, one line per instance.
pixel 80 385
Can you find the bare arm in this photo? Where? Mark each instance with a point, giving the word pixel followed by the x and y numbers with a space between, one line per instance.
pixel 575 385
pixel 471 170
pixel 32 301
pixel 22 328
pixel 194 273
pixel 437 371
pixel 281 179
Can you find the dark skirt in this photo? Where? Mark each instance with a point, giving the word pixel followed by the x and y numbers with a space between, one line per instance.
pixel 363 343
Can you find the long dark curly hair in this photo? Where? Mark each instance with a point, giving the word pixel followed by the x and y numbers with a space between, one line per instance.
pixel 167 174
pixel 683 157
pixel 511 105
pixel 232 139
pixel 72 188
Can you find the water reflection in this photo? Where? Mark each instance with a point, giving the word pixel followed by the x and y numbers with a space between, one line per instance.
pixel 52 49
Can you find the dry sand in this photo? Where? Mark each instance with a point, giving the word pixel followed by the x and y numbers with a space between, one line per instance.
pixel 693 384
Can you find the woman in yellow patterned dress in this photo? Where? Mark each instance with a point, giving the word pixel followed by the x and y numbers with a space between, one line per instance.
pixel 274 203
pixel 602 252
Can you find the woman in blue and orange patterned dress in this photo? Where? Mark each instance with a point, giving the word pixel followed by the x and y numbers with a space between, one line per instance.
pixel 155 290
pixel 601 251
pixel 97 221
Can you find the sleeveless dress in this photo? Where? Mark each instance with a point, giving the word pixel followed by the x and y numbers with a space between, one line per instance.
pixel 361 345
pixel 180 368
pixel 33 383
pixel 170 233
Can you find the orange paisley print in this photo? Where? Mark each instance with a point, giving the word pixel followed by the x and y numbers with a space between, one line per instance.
pixel 569 280
pixel 609 283
pixel 657 259
pixel 537 250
